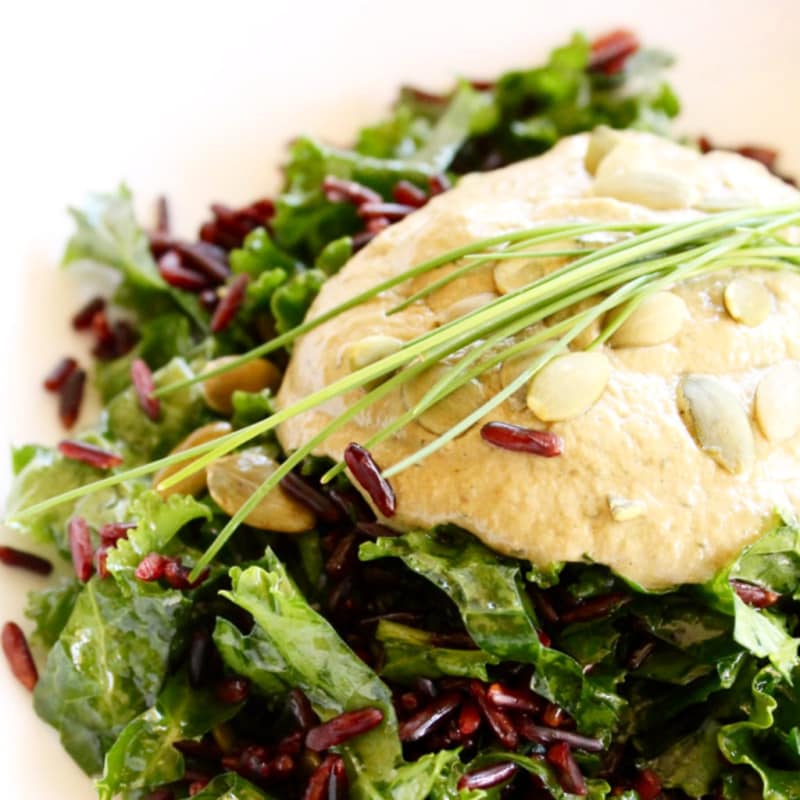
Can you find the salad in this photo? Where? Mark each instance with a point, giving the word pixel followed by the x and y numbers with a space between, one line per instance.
pixel 303 563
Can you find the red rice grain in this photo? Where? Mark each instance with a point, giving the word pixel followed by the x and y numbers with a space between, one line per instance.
pixel 19 657
pixel 612 50
pixel 298 489
pixel 513 699
pixel 82 320
pixel 488 777
pixel 175 274
pixel 88 454
pixel 80 546
pixel 232 690
pixel 408 194
pixel 569 774
pixel 343 728
pixel 319 785
pixel 21 559
pixel 145 387
pixel 112 532
pixel 543 735
pixel 439 184
pixel 754 595
pixel 368 475
pixel 162 216
pixel 647 785
pixel 498 720
pixel 70 398
pixel 58 375
pixel 430 717
pixel 210 260
pixel 469 718
pixel 522 440
pixel 389 211
pixel 151 567
pixel 230 303
pixel 339 190
pixel 594 608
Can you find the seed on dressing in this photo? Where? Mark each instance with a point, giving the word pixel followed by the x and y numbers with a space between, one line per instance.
pixel 622 509
pixel 717 419
pixel 656 320
pixel 777 402
pixel 747 301
pixel 448 412
pixel 568 386
pixel 370 349
pixel 465 306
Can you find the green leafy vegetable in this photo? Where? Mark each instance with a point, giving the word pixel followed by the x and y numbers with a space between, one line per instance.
pixel 161 339
pixel 410 654
pixel 231 787
pixel 50 609
pixel 107 233
pixel 158 521
pixel 108 664
pixel 292 646
pixel 47 473
pixel 772 561
pixel 143 756
pixel 145 439
pixel 488 592
pixel 291 301
pixel 691 764
pixel 306 652
pixel 747 742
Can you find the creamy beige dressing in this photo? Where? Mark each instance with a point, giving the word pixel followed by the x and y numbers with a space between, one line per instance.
pixel 631 445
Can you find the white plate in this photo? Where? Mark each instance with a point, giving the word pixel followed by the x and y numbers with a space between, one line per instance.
pixel 197 100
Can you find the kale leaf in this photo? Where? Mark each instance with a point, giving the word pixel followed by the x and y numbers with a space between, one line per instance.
pixel 143 756
pixel 108 664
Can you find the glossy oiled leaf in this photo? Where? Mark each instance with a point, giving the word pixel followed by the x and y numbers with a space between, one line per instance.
pixel 692 763
pixel 410 654
pixel 747 743
pixel 292 646
pixel 302 649
pixel 231 787
pixel 773 561
pixel 143 756
pixel 50 609
pixel 108 233
pixel 47 473
pixel 488 592
pixel 108 664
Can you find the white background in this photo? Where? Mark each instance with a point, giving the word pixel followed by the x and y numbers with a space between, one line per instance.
pixel 198 99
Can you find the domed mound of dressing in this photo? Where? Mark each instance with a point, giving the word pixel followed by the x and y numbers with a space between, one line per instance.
pixel 681 435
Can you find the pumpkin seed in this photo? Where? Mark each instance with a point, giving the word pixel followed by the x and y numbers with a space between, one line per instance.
pixel 465 306
pixel 252 376
pixel 646 187
pixel 196 483
pixel 716 418
pixel 656 320
pixel 512 274
pixel 622 509
pixel 747 301
pixel 602 141
pixel 568 386
pixel 370 349
pixel 777 402
pixel 233 479
pixel 448 412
